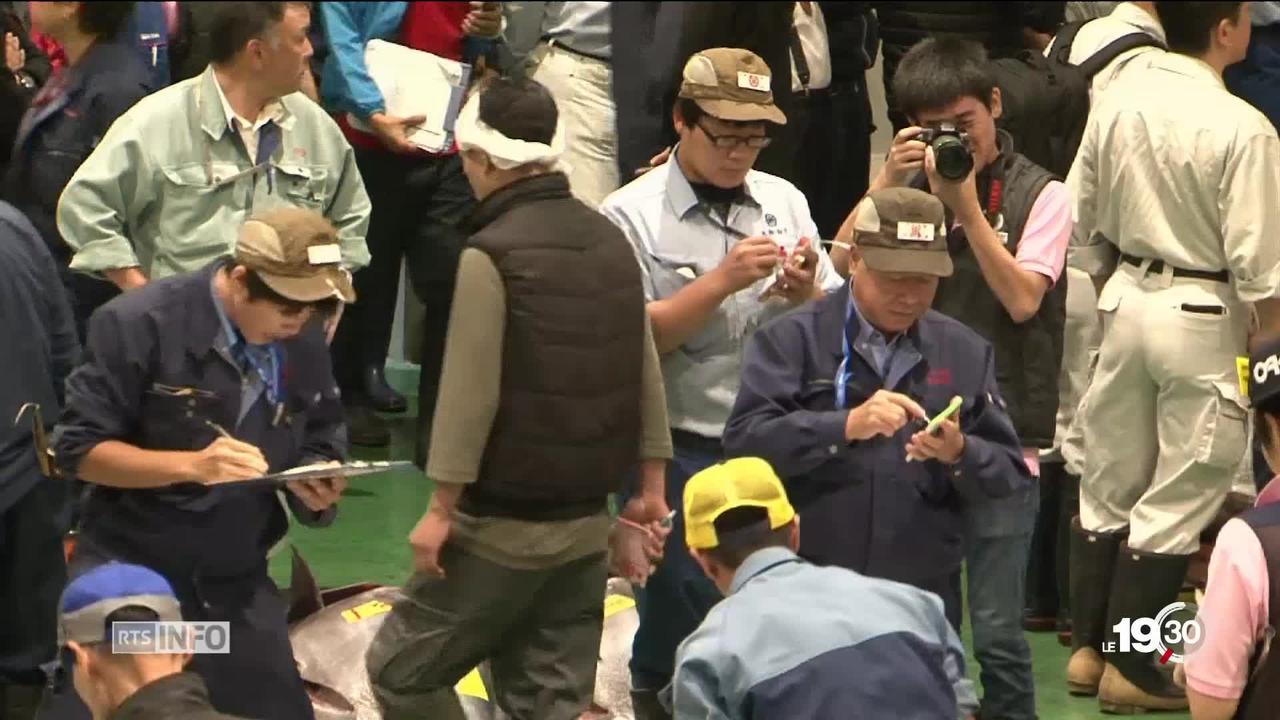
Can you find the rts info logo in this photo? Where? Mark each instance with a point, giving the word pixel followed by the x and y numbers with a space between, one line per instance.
pixel 1172 634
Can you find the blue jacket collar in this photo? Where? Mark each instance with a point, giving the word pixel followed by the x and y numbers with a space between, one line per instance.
pixel 831 324
pixel 759 562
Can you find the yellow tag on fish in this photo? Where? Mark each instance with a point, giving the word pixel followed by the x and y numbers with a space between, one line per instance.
pixel 472 685
pixel 1242 370
pixel 615 604
pixel 365 611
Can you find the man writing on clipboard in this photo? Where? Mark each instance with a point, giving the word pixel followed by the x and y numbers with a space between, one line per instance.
pixel 203 379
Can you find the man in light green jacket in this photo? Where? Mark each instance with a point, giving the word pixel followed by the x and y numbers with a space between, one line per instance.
pixel 173 179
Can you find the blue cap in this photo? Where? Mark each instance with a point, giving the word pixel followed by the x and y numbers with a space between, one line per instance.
pixel 89 599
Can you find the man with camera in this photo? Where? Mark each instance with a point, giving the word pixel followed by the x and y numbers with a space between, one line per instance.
pixel 1008 227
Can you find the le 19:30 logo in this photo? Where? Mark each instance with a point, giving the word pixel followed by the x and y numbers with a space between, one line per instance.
pixel 1171 634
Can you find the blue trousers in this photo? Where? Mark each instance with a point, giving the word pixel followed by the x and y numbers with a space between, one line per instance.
pixel 678 594
pixel 997 571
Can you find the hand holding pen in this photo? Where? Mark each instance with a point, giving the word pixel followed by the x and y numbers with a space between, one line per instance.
pixel 226 459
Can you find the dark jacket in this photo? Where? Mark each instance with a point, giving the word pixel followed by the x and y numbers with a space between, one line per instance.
pixel 15 96
pixel 996 24
pixel 154 376
pixel 645 37
pixel 569 410
pixel 1257 79
pixel 41 348
pixel 864 507
pixel 853 35
pixel 64 125
pixel 177 696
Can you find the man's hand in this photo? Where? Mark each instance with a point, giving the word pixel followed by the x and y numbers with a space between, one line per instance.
pixel 319 494
pixel 960 196
pixel 656 161
pixel 884 413
pixel 14 56
pixel 799 274
pixel 394 131
pixel 427 538
pixel 906 156
pixel 749 260
pixel 130 278
pixel 946 444
pixel 484 20
pixel 224 460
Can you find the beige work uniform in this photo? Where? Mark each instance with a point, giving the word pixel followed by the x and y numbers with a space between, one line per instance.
pixel 1172 168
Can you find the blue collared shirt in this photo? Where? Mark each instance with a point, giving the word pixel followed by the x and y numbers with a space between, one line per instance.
pixel 677 239
pixel 893 357
pixel 253 360
pixel 837 641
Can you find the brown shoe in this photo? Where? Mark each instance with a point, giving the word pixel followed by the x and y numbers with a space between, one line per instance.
pixel 1118 696
pixel 1084 671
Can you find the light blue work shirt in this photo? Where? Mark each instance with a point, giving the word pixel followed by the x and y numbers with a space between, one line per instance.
pixel 678 239
pixel 797 640
pixel 583 27
pixel 892 358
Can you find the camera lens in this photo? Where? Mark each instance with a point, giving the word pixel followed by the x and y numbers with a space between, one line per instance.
pixel 953 159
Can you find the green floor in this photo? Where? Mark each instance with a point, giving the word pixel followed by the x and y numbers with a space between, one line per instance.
pixel 369 543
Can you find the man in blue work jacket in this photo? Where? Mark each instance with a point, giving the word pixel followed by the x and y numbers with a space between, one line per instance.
pixel 840 645
pixel 836 394
pixel 203 379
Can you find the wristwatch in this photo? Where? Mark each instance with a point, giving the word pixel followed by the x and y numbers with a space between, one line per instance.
pixel 24 79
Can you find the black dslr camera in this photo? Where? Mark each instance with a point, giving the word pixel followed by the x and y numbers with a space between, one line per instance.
pixel 950 149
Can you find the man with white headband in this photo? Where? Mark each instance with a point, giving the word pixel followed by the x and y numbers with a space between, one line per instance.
pixel 189 384
pixel 723 249
pixel 551 394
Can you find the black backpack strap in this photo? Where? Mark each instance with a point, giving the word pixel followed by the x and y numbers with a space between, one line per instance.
pixel 1103 57
pixel 1063 40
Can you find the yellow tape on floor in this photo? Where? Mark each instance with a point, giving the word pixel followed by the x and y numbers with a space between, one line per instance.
pixel 472 684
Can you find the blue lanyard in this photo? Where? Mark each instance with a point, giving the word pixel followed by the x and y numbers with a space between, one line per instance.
pixel 842 372
pixel 272 378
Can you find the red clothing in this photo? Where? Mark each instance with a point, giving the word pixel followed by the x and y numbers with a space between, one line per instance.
pixel 434 27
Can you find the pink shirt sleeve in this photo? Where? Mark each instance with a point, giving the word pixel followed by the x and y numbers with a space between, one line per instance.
pixel 1233 614
pixel 1043 246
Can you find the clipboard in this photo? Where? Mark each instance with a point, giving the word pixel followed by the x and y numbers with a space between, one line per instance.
pixel 311 472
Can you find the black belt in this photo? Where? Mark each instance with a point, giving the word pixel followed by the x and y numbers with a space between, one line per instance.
pixel 1157 266
pixel 699 443
pixel 559 44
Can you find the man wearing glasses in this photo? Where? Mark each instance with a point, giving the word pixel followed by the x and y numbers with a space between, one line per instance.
pixel 722 249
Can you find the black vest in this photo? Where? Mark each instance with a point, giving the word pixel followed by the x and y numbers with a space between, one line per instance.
pixel 1029 354
pixel 1262 693
pixel 568 424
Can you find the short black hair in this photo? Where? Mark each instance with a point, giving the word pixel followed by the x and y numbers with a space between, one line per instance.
pixel 1188 25
pixel 520 108
pixel 937 71
pixel 104 19
pixel 742 531
pixel 691 112
pixel 260 291
pixel 233 24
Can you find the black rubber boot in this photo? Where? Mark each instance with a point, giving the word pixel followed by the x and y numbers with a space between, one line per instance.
pixel 382 397
pixel 1144 584
pixel 645 706
pixel 1093 561
pixel 1068 509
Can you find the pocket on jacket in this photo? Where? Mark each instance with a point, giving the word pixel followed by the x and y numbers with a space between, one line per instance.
pixel 303 186
pixel 198 203
pixel 670 274
pixel 1222 432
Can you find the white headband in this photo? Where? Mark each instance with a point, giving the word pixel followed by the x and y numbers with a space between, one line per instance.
pixel 472 133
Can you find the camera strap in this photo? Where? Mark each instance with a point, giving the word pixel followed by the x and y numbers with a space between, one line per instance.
pixel 995 194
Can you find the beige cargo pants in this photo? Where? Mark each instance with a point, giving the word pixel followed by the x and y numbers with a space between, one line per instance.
pixel 1164 420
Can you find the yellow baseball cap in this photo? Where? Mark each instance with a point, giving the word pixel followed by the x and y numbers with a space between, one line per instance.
pixel 741 482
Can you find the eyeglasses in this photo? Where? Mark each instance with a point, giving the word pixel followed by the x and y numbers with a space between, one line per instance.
pixel 728 142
